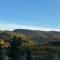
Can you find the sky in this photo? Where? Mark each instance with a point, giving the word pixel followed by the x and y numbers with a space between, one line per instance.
pixel 30 14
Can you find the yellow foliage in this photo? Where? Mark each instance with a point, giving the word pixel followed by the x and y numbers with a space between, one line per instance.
pixel 1 41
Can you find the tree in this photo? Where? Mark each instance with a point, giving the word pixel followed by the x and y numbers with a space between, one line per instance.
pixel 15 49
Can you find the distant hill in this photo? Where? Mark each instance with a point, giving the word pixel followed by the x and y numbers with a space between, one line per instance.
pixel 37 36
pixel 40 36
pixel 24 31
pixel 45 34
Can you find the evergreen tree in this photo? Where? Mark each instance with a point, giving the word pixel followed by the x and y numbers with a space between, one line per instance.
pixel 15 49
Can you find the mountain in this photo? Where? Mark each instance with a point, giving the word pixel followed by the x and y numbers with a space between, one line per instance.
pixel 40 36
pixel 45 34
pixel 37 36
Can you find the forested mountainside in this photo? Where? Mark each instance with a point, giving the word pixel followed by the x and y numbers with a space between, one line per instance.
pixel 30 38
pixel 31 35
pixel 40 36
pixel 46 34
pixel 27 44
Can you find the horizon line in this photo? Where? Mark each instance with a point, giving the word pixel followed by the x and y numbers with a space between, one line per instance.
pixel 11 27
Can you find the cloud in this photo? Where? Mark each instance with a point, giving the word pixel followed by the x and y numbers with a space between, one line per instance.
pixel 15 26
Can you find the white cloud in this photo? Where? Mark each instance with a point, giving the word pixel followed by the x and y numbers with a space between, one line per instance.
pixel 14 26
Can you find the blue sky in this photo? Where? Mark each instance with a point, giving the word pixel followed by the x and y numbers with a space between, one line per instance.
pixel 34 13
